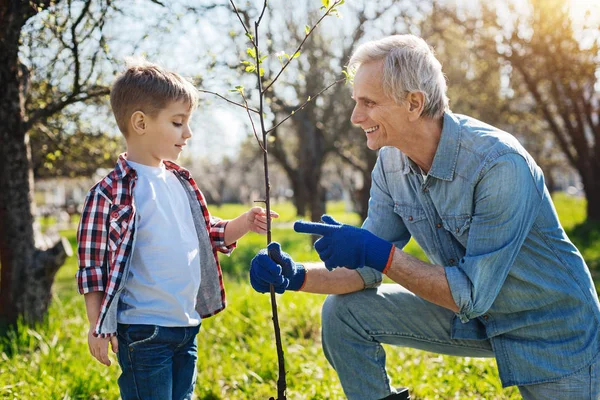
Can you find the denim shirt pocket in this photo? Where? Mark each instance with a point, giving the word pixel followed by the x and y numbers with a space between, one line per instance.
pixel 117 225
pixel 458 226
pixel 416 222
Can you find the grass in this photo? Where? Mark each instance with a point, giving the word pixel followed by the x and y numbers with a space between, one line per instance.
pixel 237 358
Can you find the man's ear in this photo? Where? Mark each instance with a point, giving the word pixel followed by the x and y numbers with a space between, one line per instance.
pixel 139 122
pixel 416 104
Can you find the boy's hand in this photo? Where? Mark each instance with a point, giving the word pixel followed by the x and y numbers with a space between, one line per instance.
pixel 99 347
pixel 256 218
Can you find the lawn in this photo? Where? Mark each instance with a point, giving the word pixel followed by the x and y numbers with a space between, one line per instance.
pixel 237 358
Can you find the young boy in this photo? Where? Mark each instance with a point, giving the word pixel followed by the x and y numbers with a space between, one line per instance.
pixel 148 262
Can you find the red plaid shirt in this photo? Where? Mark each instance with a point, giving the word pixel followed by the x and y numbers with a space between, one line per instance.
pixel 106 237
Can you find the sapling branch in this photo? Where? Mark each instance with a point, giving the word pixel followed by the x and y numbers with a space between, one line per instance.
pixel 305 103
pixel 253 127
pixel 302 43
pixel 230 101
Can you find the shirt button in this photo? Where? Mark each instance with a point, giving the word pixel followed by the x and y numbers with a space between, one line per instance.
pixel 485 317
pixel 451 261
pixel 457 230
pixel 410 218
pixel 425 189
pixel 115 215
pixel 438 226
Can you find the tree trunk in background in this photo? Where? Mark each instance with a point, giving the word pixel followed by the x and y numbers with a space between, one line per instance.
pixel 27 273
pixel 591 187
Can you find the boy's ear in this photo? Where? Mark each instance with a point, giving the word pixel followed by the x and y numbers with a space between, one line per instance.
pixel 139 122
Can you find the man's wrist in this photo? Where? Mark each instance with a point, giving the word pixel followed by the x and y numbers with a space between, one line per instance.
pixel 299 279
pixel 380 254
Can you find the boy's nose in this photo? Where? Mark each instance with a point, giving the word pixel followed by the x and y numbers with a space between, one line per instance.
pixel 187 133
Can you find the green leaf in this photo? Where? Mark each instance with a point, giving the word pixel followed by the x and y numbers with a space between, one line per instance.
pixel 261 59
pixel 251 68
pixel 261 71
pixel 251 52
pixel 296 55
pixel 325 3
pixel 249 36
pixel 308 98
pixel 307 29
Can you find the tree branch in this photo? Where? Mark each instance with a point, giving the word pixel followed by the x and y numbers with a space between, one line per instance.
pixel 305 103
pixel 301 44
pixel 230 101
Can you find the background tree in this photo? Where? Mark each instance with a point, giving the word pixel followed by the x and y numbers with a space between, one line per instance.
pixel 73 35
pixel 550 68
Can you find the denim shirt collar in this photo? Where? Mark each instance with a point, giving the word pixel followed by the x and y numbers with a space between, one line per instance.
pixel 446 155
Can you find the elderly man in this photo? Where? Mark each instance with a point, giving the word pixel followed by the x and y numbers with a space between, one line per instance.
pixel 503 280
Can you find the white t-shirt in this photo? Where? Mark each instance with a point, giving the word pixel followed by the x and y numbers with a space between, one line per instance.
pixel 164 274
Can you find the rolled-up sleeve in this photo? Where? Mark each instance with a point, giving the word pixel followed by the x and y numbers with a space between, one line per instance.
pixel 507 200
pixel 92 243
pixel 217 236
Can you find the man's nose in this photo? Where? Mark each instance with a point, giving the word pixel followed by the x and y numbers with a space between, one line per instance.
pixel 357 116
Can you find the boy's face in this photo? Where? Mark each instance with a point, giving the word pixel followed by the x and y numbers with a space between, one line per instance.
pixel 164 135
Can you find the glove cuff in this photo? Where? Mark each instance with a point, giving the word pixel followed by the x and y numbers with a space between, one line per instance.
pixel 379 254
pixel 297 281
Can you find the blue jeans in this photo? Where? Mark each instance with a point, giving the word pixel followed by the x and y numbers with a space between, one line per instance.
pixel 157 362
pixel 355 325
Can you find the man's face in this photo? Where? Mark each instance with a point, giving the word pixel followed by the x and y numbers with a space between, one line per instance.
pixel 167 132
pixel 380 117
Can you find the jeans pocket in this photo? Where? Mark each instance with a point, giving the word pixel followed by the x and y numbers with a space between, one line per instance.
pixel 136 335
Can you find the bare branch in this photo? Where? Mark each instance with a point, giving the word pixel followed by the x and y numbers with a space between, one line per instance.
pixel 252 122
pixel 301 44
pixel 237 13
pixel 230 101
pixel 262 13
pixel 305 103
pixel 46 112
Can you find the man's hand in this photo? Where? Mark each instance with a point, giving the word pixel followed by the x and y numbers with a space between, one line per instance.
pixel 256 218
pixel 347 246
pixel 99 347
pixel 271 266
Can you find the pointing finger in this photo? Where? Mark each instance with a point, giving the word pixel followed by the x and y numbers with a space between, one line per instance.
pixel 312 227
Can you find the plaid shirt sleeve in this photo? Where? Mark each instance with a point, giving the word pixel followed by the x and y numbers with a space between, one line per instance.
pixel 92 243
pixel 217 236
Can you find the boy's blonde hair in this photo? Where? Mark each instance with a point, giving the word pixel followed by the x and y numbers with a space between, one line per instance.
pixel 148 88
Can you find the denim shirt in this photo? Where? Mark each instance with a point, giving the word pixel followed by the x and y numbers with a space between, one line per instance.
pixel 485 214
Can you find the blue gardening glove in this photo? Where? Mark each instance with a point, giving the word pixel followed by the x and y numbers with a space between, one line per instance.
pixel 347 246
pixel 273 266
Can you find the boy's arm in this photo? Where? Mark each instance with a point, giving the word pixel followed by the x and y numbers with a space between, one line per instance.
pixel 98 346
pixel 254 220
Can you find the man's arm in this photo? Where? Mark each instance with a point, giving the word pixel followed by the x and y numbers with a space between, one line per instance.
pixel 423 279
pixel 339 281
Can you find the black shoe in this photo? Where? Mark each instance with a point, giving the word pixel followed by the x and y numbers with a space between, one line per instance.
pixel 401 394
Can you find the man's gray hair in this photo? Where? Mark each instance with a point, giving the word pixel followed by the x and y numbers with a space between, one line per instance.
pixel 409 65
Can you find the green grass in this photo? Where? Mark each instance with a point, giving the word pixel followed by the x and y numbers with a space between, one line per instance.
pixel 237 358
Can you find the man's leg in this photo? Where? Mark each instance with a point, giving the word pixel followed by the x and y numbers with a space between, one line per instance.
pixel 583 385
pixel 355 325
